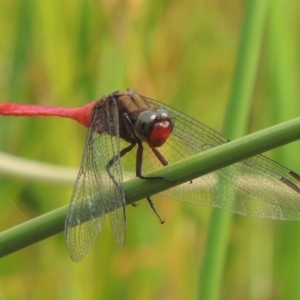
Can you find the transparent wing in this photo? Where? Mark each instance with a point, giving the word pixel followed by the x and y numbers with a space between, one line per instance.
pixel 98 190
pixel 257 186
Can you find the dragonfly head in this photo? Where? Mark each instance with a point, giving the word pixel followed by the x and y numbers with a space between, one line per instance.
pixel 154 127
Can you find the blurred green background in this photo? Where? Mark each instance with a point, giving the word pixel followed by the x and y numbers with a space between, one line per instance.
pixel 68 53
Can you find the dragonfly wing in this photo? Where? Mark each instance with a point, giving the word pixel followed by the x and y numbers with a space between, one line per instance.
pixel 262 188
pixel 115 203
pixel 257 186
pixel 112 193
pixel 96 191
pixel 86 210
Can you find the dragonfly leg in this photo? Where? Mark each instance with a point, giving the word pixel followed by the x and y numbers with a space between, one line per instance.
pixel 139 162
pixel 153 208
pixel 139 157
pixel 114 159
pixel 160 157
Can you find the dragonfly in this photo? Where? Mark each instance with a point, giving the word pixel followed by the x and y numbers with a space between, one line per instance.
pixel 130 135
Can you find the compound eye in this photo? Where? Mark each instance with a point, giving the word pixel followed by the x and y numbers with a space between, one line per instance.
pixel 144 124
pixel 163 114
pixel 154 127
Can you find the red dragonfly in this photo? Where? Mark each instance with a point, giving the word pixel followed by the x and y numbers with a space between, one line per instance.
pixel 162 135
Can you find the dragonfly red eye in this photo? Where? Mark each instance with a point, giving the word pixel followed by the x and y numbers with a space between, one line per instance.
pixel 160 133
pixel 154 127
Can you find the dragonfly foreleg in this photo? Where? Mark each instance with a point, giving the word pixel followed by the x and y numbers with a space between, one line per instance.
pixel 160 157
pixel 139 163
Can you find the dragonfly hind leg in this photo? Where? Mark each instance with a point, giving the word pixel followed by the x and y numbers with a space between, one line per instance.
pixel 155 211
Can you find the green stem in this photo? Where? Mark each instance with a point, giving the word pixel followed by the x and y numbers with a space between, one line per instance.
pixel 235 125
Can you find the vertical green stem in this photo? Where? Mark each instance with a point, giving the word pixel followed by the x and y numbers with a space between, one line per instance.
pixel 284 85
pixel 235 125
